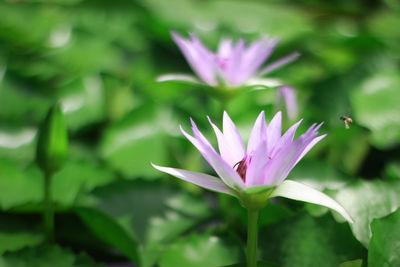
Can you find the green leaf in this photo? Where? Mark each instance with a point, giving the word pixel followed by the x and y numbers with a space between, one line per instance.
pixel 303 240
pixel 19 186
pixel 123 198
pixel 46 256
pixel 161 232
pixel 17 103
pixel 168 213
pixel 375 106
pixel 83 101
pixel 248 15
pixel 385 241
pixel 78 178
pixel 354 263
pixel 199 250
pixel 368 200
pixel 17 240
pixel 130 144
pixel 189 204
pixel 16 233
pixel 392 170
pixel 16 188
pixel 18 144
pixel 110 231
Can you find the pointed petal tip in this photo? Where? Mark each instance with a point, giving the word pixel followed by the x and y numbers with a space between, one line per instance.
pixel 261 115
pixel 299 122
pixel 183 131
pixel 296 54
pixel 176 36
pixel 317 127
pixel 155 166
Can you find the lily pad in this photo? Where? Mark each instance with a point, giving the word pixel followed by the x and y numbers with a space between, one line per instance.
pixel 368 200
pixel 306 241
pixel 385 241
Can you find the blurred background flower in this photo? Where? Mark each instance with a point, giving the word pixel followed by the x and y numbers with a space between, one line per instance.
pixel 233 65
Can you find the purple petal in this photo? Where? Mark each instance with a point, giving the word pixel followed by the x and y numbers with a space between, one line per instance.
pixel 274 131
pixel 231 74
pixel 290 98
pixel 223 147
pixel 233 138
pixel 256 169
pixel 280 62
pixel 258 133
pixel 200 179
pixel 280 166
pixel 222 168
pixel 199 58
pixel 225 48
pixel 286 139
pixel 255 55
pixel 310 145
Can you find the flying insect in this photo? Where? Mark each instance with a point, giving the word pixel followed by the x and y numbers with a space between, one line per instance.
pixel 346 120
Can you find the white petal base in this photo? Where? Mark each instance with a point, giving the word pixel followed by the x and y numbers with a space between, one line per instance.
pixel 298 191
pixel 178 77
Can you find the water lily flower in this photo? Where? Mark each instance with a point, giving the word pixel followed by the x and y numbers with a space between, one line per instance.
pixel 257 173
pixel 234 65
pixel 262 167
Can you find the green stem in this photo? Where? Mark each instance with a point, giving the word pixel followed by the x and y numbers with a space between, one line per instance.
pixel 48 213
pixel 252 232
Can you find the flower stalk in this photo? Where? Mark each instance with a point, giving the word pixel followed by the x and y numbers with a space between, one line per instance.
pixel 48 212
pixel 252 234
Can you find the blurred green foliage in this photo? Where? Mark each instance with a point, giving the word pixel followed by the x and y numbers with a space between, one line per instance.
pixel 100 60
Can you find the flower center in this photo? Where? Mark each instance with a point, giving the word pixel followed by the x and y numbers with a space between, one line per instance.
pixel 222 62
pixel 241 168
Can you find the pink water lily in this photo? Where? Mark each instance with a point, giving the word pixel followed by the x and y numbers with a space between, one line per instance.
pixel 233 65
pixel 267 161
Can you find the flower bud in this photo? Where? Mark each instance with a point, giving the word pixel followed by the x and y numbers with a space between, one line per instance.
pixel 52 146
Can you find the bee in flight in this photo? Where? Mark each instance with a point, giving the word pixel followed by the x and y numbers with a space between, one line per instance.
pixel 346 120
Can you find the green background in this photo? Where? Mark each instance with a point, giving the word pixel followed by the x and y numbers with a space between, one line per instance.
pixel 101 59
